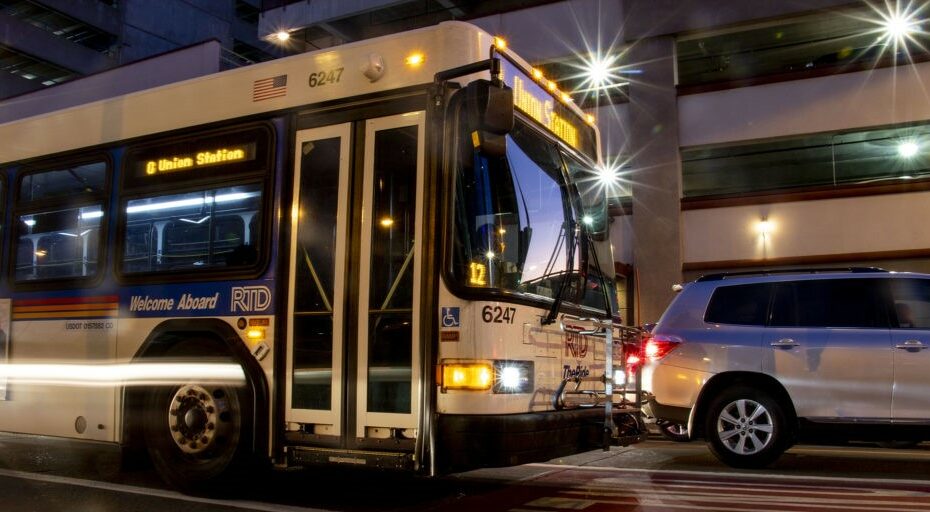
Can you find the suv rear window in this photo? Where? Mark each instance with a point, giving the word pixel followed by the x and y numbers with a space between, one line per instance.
pixel 744 304
pixel 830 303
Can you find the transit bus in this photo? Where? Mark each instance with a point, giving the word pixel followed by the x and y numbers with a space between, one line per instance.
pixel 392 254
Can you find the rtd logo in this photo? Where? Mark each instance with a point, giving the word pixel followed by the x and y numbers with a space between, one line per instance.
pixel 250 298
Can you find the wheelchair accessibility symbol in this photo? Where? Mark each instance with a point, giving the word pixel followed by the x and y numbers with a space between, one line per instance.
pixel 450 317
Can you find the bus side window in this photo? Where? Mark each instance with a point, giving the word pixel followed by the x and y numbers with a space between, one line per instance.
pixel 59 213
pixel 194 230
pixel 57 245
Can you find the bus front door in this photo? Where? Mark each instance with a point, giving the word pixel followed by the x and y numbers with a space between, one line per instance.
pixel 353 379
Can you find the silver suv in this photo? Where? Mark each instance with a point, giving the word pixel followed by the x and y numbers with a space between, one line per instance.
pixel 756 362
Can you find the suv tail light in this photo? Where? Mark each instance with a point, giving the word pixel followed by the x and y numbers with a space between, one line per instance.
pixel 657 346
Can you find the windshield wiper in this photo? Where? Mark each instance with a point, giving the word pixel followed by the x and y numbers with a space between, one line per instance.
pixel 572 229
pixel 608 305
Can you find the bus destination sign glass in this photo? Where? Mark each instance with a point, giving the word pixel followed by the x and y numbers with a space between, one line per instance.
pixel 534 101
pixel 190 161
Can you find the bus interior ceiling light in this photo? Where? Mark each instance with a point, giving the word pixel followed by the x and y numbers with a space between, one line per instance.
pixel 281 36
pixel 196 201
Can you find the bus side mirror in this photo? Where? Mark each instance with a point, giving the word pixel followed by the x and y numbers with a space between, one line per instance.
pixel 490 115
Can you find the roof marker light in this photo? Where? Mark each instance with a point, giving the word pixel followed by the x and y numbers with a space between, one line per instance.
pixel 415 59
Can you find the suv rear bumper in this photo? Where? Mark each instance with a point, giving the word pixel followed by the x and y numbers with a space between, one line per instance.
pixel 654 409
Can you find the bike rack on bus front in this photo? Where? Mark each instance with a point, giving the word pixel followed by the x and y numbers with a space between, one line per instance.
pixel 570 394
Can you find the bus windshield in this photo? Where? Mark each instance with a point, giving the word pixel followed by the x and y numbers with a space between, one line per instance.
pixel 515 219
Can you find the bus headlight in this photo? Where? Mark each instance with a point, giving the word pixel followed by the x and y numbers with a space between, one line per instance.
pixel 497 376
pixel 513 376
pixel 474 376
pixel 620 377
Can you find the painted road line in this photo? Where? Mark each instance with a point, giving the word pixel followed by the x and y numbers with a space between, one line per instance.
pixel 923 484
pixel 156 493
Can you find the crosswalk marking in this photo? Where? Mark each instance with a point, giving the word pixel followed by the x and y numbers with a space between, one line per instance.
pixel 596 489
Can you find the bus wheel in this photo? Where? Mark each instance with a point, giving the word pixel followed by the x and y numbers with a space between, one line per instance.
pixel 197 433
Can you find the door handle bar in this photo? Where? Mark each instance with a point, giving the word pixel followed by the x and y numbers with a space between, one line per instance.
pixel 912 345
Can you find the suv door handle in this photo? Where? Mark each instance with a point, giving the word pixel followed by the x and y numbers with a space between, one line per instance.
pixel 911 345
pixel 784 343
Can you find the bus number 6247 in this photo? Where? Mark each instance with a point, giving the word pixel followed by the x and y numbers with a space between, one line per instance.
pixel 498 315
pixel 322 78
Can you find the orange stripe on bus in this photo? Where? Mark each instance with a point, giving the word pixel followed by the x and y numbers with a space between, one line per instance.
pixel 65 300
pixel 65 314
pixel 65 307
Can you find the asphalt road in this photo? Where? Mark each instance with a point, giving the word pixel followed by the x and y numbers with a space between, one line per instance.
pixel 52 476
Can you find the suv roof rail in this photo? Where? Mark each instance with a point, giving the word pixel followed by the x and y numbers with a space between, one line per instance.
pixel 725 275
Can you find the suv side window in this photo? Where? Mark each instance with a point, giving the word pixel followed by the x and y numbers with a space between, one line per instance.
pixel 744 304
pixel 911 303
pixel 829 303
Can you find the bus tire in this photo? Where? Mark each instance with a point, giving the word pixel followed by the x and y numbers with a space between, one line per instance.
pixel 197 434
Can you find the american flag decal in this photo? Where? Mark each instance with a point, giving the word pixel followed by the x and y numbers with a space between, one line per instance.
pixel 268 88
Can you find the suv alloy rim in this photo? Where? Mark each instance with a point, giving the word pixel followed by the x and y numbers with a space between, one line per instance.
pixel 745 427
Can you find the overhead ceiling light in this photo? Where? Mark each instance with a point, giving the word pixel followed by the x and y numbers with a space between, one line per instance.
pixel 908 149
pixel 607 174
pixel 898 26
pixel 765 227
pixel 282 36
pixel 598 70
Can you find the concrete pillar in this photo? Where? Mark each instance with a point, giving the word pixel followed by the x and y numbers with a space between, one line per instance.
pixel 655 175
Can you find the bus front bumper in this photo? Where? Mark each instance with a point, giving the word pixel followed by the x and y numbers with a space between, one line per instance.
pixel 472 441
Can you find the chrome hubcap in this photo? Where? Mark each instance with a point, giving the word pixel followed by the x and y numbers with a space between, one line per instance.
pixel 745 427
pixel 197 418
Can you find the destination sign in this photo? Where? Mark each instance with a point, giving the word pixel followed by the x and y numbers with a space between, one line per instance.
pixel 209 157
pixel 537 103
pixel 199 155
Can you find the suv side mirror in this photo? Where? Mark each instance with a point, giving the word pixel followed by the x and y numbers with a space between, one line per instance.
pixel 490 115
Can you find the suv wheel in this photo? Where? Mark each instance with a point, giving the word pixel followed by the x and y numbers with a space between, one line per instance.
pixel 746 428
pixel 672 431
